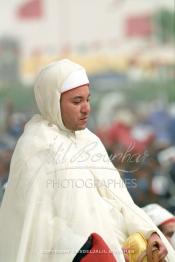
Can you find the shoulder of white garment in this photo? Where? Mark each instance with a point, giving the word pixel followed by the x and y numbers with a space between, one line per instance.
pixel 38 136
pixel 89 135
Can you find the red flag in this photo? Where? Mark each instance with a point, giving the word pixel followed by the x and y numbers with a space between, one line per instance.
pixel 32 9
pixel 138 26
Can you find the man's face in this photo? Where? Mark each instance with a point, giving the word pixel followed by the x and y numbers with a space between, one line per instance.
pixel 75 108
pixel 168 229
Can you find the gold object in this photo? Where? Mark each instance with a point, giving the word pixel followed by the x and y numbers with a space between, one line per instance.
pixel 138 250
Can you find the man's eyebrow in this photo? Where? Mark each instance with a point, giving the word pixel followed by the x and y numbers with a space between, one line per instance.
pixel 80 97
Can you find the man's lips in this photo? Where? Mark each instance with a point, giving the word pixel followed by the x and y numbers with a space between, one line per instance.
pixel 84 118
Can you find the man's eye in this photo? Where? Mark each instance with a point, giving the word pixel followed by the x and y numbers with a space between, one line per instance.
pixel 76 102
pixel 170 234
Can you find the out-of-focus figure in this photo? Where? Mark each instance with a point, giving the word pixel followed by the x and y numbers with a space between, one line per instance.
pixel 163 219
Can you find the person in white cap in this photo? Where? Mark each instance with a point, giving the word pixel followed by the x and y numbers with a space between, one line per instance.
pixel 163 219
pixel 62 185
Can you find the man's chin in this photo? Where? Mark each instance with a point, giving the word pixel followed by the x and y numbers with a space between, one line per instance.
pixel 78 128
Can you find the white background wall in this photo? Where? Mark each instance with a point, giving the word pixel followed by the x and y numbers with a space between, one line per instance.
pixel 72 22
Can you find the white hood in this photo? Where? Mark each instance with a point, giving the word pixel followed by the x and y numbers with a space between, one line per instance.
pixel 53 80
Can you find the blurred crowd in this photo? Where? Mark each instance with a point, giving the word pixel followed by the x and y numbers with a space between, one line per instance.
pixel 11 127
pixel 140 142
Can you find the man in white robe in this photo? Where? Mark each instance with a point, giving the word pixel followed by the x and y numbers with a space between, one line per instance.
pixel 62 186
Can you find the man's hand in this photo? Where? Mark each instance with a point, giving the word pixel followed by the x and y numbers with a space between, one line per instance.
pixel 162 251
pixel 126 256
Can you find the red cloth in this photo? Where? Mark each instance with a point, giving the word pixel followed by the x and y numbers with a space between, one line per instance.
pixel 170 220
pixel 99 252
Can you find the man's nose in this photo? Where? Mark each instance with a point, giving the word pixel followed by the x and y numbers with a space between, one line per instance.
pixel 85 108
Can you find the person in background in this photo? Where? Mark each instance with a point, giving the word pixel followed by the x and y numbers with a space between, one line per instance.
pixel 163 219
